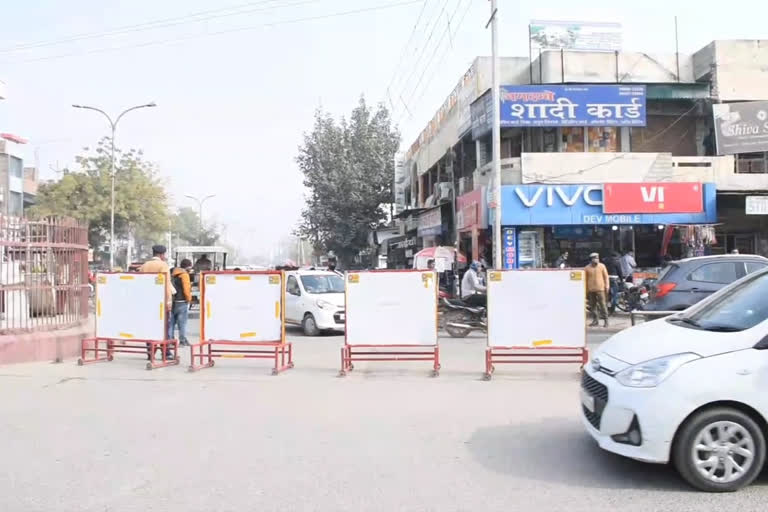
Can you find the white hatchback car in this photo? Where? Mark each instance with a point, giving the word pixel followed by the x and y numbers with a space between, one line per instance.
pixel 314 299
pixel 691 389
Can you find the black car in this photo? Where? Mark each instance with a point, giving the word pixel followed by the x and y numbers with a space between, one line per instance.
pixel 684 283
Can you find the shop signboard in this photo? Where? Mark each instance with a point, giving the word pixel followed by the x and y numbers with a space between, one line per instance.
pixel 573 105
pixel 574 35
pixel 741 127
pixel 471 210
pixel 652 198
pixel 430 223
pixel 756 205
pixel 509 247
pixel 481 113
pixel 563 205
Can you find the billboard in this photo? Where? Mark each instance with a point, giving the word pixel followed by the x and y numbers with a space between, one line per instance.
pixel 741 127
pixel 571 205
pixel 573 105
pixel 652 198
pixel 574 35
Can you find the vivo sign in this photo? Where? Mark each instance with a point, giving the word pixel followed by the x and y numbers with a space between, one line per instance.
pixel 589 194
pixel 622 203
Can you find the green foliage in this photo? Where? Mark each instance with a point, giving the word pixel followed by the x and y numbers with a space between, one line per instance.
pixel 141 203
pixel 186 228
pixel 348 170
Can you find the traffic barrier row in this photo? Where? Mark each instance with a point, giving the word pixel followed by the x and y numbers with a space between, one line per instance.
pixel 391 315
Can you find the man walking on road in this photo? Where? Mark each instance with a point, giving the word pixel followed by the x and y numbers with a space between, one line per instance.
pixel 158 265
pixel 597 289
pixel 181 301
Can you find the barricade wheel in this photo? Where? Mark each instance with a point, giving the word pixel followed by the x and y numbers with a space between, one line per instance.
pixel 342 373
pixel 486 376
pixel 435 373
pixel 149 366
pixel 351 367
pixel 275 371
pixel 212 363
pixel 110 358
pixel 290 365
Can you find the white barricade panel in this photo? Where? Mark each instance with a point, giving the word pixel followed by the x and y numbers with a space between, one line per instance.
pixel 130 306
pixel 536 308
pixel 391 308
pixel 242 306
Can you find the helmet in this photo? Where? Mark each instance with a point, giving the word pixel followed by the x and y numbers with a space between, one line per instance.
pixel 474 266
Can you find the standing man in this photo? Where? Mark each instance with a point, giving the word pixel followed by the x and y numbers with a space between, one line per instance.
pixel 332 263
pixel 628 265
pixel 181 301
pixel 158 265
pixel 597 289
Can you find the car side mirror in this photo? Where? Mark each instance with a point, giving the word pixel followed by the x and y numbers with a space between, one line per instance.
pixel 762 344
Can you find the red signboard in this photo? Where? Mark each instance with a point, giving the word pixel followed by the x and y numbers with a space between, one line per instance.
pixel 653 198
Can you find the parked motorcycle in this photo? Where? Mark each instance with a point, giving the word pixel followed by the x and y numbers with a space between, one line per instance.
pixel 462 319
pixel 632 297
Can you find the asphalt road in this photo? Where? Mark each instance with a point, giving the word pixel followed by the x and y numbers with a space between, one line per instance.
pixel 115 437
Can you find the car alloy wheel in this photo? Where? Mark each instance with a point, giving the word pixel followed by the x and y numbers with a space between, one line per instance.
pixel 723 452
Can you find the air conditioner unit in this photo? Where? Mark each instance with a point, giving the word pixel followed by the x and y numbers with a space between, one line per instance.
pixel 443 191
pixel 463 183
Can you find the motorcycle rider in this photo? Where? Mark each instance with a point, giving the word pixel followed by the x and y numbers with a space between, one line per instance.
pixel 472 288
pixel 332 263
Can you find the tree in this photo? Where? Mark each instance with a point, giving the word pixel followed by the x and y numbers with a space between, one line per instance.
pixel 186 227
pixel 141 203
pixel 348 170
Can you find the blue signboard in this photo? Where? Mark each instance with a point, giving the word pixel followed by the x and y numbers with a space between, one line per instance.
pixel 573 105
pixel 563 205
pixel 509 246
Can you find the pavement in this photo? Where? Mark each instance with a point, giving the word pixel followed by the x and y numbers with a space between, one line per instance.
pixel 115 437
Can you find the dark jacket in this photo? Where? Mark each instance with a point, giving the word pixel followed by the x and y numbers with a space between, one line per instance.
pixel 613 265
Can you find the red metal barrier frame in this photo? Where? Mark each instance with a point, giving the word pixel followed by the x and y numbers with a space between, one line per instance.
pixel 349 353
pixel 112 346
pixel 202 354
pixel 208 350
pixel 533 355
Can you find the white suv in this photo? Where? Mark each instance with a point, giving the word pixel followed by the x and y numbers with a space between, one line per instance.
pixel 691 389
pixel 314 299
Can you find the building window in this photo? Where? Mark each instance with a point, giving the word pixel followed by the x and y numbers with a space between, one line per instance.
pixel 15 204
pixel 16 167
pixel 603 139
pixel 573 139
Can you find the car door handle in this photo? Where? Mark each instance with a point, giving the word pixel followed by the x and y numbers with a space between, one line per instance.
pixel 694 289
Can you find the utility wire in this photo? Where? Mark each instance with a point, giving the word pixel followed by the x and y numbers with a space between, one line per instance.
pixel 196 17
pixel 405 48
pixel 221 32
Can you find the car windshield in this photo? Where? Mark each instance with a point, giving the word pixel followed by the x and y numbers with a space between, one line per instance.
pixel 737 308
pixel 323 284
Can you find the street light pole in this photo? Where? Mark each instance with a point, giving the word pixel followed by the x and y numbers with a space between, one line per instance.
pixel 200 203
pixel 496 136
pixel 113 126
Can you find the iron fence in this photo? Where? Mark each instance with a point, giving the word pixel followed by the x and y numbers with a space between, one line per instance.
pixel 43 274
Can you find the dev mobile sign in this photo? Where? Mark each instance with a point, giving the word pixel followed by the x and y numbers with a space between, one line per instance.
pixel 573 105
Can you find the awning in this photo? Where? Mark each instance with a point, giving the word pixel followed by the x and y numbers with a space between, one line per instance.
pixel 677 91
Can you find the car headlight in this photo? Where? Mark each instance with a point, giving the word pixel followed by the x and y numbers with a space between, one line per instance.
pixel 652 373
pixel 324 304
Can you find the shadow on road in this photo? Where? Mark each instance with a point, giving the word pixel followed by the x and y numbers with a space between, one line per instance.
pixel 559 451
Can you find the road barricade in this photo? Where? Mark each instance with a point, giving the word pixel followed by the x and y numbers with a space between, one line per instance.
pixel 242 315
pixel 130 319
pixel 535 316
pixel 391 316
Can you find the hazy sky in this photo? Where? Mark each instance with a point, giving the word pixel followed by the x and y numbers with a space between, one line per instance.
pixel 232 107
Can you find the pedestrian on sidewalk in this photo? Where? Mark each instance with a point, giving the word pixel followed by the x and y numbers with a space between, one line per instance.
pixel 158 265
pixel 597 289
pixel 181 301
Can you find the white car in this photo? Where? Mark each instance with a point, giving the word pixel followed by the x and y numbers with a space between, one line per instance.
pixel 691 389
pixel 314 299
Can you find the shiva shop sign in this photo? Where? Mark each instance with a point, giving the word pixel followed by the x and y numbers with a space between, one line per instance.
pixel 552 205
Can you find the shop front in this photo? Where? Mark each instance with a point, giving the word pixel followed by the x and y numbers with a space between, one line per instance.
pixel 651 219
pixel 472 222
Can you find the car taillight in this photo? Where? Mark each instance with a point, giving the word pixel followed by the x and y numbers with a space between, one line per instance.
pixel 664 288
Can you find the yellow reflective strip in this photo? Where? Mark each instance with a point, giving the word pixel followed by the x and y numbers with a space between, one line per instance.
pixel 242 278
pixel 126 278
pixel 277 309
pixel 162 311
pixel 247 334
pixel 541 343
pixel 98 307
pixel 125 335
pixel 232 356
pixel 208 309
